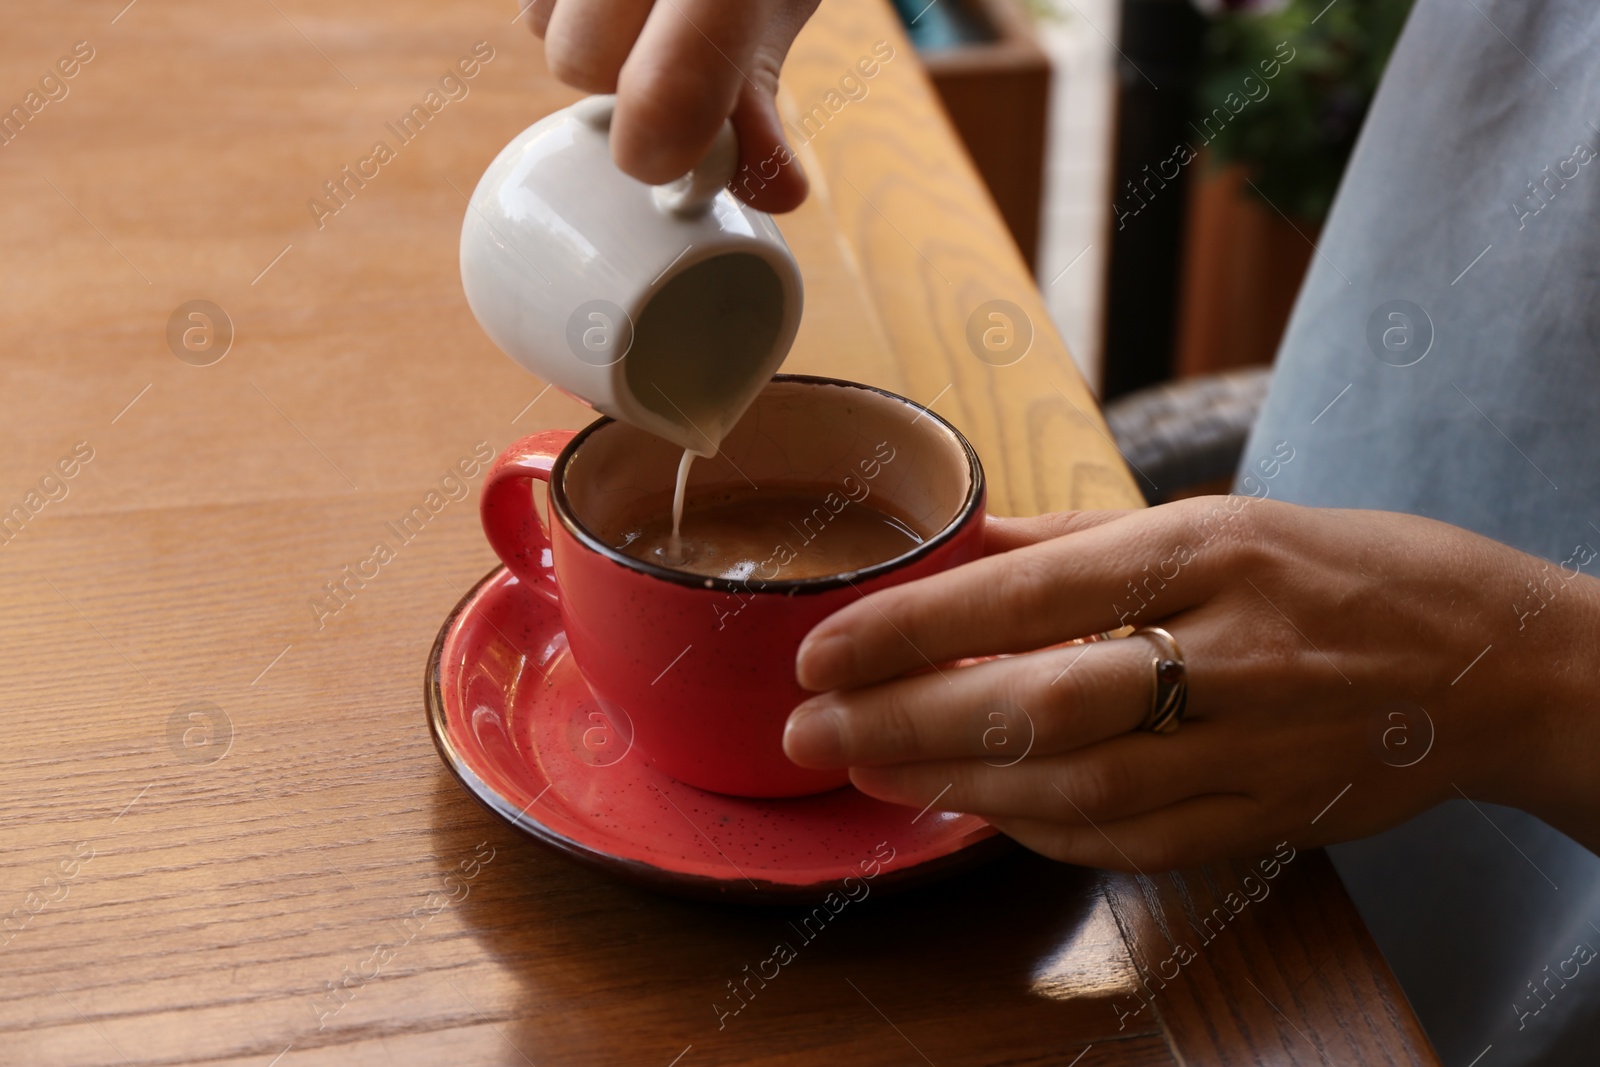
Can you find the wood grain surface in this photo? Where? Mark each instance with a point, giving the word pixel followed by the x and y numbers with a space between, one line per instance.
pixel 219 799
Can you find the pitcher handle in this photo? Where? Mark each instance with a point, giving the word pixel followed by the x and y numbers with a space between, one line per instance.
pixel 694 192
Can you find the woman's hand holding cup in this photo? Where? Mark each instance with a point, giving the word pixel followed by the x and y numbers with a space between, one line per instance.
pixel 1346 670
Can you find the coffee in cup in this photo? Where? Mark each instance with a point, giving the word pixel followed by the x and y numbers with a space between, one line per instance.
pixel 775 533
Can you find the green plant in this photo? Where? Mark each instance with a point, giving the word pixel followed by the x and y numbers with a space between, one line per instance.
pixel 1296 140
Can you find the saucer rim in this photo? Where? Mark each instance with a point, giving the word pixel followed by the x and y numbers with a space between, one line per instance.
pixel 984 844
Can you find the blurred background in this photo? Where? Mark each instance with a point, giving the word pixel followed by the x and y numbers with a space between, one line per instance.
pixel 1164 165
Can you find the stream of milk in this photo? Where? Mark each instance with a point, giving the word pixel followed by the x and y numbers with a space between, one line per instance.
pixel 675 546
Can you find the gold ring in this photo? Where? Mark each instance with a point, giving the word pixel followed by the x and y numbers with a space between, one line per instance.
pixel 1169 695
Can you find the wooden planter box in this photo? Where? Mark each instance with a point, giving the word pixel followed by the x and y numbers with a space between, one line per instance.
pixel 1242 268
pixel 997 93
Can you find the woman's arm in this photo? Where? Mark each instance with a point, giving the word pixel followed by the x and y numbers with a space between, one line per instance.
pixel 1407 659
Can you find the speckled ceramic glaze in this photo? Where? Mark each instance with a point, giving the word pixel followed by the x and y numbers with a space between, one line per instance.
pixel 518 727
pixel 703 668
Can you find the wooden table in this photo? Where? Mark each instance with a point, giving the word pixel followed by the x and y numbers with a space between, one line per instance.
pixel 218 800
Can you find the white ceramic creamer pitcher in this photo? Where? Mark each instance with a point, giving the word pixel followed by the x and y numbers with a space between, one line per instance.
pixel 666 307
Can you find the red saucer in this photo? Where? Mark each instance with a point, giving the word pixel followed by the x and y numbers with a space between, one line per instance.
pixel 517 726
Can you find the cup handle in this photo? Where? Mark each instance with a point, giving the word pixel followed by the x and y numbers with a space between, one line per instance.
pixel 510 520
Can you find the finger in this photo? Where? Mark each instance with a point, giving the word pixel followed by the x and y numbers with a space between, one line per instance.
pixel 769 177
pixel 535 15
pixel 1190 832
pixel 586 41
pixel 682 79
pixel 1113 780
pixel 1038 704
pixel 1002 533
pixel 1070 586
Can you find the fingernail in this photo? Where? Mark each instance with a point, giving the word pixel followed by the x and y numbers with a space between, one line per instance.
pixel 812 737
pixel 823 662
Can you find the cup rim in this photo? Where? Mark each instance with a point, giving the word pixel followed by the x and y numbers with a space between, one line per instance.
pixel 561 508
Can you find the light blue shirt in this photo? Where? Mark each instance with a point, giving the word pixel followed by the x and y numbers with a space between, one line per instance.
pixel 1443 359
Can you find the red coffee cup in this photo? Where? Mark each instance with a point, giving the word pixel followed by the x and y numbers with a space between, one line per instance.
pixel 703 668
